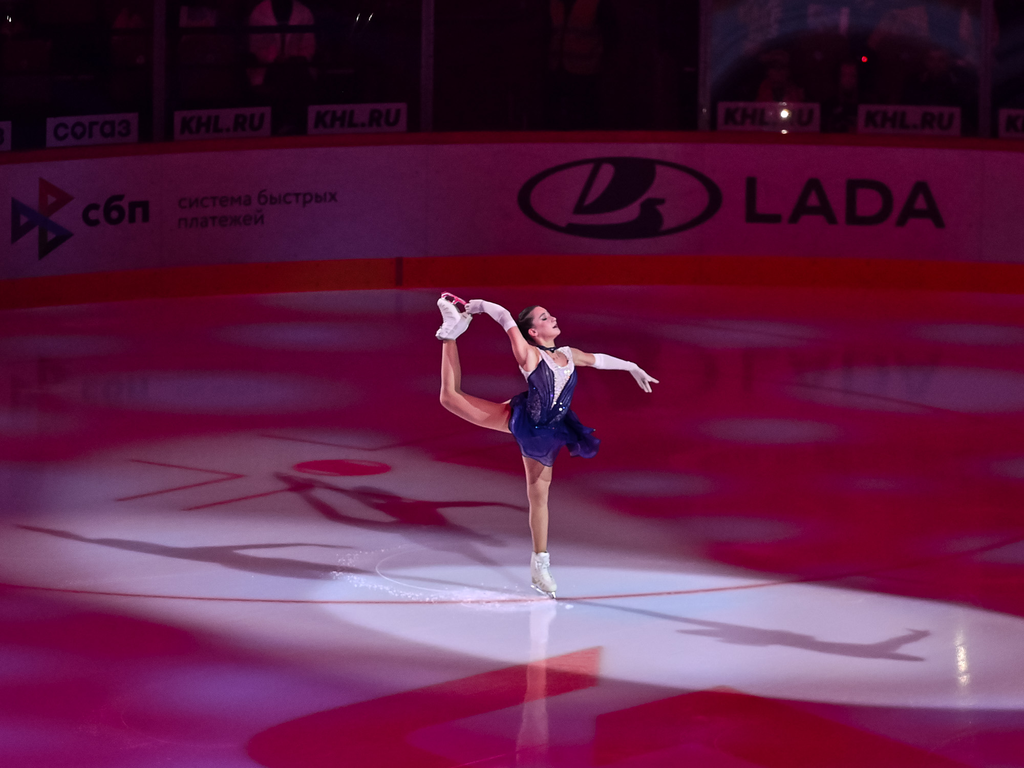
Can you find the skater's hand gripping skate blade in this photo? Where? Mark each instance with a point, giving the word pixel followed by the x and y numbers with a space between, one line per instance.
pixel 454 322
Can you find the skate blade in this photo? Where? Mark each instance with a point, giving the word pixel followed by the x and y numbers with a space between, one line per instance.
pixel 544 591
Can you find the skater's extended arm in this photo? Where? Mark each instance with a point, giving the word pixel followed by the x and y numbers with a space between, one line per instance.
pixel 609 363
pixel 526 355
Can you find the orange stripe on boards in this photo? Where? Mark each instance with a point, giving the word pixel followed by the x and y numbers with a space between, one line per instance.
pixel 447 271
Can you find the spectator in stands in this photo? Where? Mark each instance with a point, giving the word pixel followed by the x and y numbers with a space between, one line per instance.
pixel 778 83
pixel 25 64
pixel 278 48
pixel 939 83
pixel 11 22
pixel 575 54
pixel 840 113
pixel 131 46
pixel 643 63
pixel 208 69
pixel 282 73
pixel 197 16
pixel 490 64
pixel 762 21
pixel 898 42
pixel 128 15
pixel 818 51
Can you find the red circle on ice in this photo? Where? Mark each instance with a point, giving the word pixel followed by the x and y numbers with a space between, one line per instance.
pixel 342 467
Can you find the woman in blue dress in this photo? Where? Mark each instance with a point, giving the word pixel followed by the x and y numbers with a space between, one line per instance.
pixel 540 419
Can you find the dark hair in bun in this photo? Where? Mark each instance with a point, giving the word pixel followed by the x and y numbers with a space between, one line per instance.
pixel 525 322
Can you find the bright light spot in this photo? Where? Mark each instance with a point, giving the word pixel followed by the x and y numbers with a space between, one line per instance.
pixel 863 59
pixel 963 674
pixel 784 130
pixel 784 114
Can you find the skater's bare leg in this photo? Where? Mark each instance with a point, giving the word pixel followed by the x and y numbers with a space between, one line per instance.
pixel 475 410
pixel 538 483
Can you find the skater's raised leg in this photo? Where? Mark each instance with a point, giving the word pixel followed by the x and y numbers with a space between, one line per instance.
pixel 475 410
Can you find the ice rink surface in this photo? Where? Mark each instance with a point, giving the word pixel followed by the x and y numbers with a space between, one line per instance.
pixel 242 531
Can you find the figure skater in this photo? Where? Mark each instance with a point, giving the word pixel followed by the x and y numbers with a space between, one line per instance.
pixel 539 419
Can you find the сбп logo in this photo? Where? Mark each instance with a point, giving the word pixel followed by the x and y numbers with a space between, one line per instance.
pixel 620 198
pixel 51 200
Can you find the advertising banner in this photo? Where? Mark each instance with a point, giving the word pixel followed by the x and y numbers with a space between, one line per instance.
pixel 335 203
pixel 784 117
pixel 915 121
pixel 5 136
pixel 83 130
pixel 1011 123
pixel 357 118
pixel 221 123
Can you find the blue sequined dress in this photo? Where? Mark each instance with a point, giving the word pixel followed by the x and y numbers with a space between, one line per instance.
pixel 542 423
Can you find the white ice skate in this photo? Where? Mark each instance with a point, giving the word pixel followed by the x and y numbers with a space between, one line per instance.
pixel 455 322
pixel 540 577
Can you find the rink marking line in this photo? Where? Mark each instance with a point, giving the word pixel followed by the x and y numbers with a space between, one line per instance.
pixel 293 601
pixel 227 476
pixel 232 501
pixel 833 578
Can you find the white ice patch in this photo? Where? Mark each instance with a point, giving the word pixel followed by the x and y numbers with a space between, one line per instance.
pixel 384 303
pixel 215 392
pixel 653 484
pixel 771 431
pixel 967 390
pixel 970 334
pixel 743 334
pixel 1009 468
pixel 787 641
pixel 314 337
pixel 736 530
pixel 59 347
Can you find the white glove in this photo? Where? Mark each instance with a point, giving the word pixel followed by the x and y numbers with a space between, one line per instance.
pixel 497 312
pixel 609 363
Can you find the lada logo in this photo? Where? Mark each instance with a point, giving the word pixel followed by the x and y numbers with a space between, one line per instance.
pixel 620 198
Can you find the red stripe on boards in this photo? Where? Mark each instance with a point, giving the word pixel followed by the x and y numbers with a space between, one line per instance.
pixel 510 137
pixel 445 271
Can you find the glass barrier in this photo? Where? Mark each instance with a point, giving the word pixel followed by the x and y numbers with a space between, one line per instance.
pixel 573 65
pixel 871 66
pixel 289 56
pixel 1008 70
pixel 66 58
pixel 101 71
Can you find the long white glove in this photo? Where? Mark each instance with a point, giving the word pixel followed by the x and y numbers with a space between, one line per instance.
pixel 500 315
pixel 609 363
